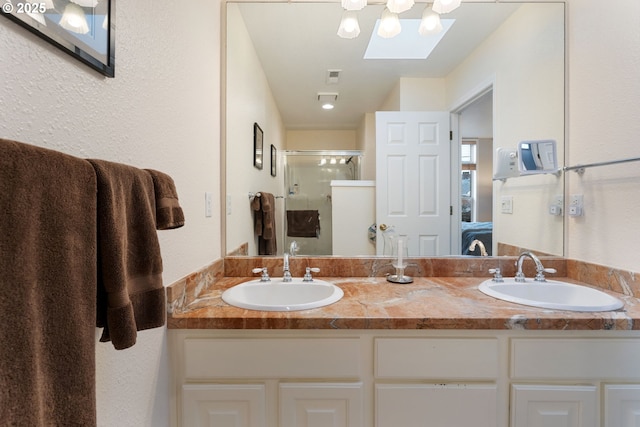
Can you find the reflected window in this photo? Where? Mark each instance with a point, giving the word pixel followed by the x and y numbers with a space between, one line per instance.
pixel 468 180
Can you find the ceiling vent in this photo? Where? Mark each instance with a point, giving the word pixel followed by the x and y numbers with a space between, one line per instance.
pixel 333 76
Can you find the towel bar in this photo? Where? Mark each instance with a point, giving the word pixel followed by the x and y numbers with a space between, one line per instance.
pixel 580 168
pixel 258 194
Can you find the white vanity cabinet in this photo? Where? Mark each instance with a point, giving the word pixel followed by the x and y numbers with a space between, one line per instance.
pixel 559 382
pixel 416 382
pixel 267 382
pixel 379 378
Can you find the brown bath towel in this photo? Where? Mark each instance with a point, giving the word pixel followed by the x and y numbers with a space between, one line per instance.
pixel 131 296
pixel 47 288
pixel 303 223
pixel 169 214
pixel 265 223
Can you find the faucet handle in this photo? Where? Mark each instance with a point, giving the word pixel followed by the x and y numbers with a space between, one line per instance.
pixel 307 275
pixel 265 276
pixel 540 275
pixel 497 274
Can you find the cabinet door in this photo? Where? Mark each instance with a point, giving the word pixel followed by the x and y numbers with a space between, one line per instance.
pixel 622 405
pixel 321 405
pixel 451 405
pixel 222 405
pixel 554 406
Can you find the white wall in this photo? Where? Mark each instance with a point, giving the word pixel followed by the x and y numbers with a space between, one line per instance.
pixel 160 111
pixel 604 105
pixel 524 60
pixel 321 139
pixel 249 101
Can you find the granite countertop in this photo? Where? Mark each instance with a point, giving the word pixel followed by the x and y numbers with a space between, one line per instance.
pixel 374 303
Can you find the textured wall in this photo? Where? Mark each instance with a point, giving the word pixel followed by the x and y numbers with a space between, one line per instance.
pixel 161 111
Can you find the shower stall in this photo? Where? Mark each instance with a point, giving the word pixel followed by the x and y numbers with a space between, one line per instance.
pixel 308 176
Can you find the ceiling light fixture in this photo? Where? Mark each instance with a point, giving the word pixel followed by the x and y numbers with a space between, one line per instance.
pixel 399 6
pixel 430 23
pixel 349 27
pixel 327 100
pixel 354 4
pixel 389 24
pixel 445 6
pixel 74 20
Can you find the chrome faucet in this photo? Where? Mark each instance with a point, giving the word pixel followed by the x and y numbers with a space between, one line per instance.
pixel 483 250
pixel 540 270
pixel 286 274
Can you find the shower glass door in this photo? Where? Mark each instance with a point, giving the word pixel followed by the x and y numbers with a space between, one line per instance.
pixel 308 176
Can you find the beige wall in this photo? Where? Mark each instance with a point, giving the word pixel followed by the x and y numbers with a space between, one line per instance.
pixel 528 102
pixel 249 101
pixel 604 105
pixel 321 139
pixel 161 111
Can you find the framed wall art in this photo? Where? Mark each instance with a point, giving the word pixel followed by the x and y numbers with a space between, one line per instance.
pixel 85 29
pixel 274 154
pixel 258 142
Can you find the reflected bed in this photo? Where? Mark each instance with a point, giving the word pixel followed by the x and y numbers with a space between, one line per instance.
pixel 471 231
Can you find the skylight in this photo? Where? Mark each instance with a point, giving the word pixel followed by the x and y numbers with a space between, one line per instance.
pixel 409 44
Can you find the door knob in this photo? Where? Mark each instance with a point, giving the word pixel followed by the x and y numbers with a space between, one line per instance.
pixel 383 227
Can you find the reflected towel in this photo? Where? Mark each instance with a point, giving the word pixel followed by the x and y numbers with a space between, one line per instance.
pixel 303 223
pixel 131 296
pixel 47 288
pixel 265 222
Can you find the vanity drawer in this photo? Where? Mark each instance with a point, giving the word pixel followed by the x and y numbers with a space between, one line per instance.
pixel 575 358
pixel 206 358
pixel 436 358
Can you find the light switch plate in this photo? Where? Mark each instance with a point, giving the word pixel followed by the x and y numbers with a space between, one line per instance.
pixel 506 204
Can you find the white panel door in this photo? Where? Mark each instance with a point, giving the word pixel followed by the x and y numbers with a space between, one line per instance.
pixel 413 191
pixel 622 405
pixel 437 405
pixel 321 405
pixel 223 405
pixel 554 406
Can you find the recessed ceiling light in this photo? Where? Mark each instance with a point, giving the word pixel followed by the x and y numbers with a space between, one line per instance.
pixel 327 100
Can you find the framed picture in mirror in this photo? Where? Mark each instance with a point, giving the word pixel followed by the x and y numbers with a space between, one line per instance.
pixel 83 29
pixel 274 154
pixel 258 137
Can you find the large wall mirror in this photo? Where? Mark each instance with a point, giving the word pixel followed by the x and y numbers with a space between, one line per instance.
pixel 498 72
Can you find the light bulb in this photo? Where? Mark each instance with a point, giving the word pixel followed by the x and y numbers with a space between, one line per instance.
pixel 389 24
pixel 430 23
pixel 349 27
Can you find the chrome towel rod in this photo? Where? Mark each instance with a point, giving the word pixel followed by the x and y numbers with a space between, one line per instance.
pixel 258 194
pixel 580 168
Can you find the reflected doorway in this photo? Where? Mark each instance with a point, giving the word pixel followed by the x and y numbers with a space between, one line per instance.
pixel 476 174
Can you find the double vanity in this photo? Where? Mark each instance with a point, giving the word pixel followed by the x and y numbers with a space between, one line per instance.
pixel 384 354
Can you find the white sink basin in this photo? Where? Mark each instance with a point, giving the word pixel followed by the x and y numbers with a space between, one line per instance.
pixel 277 295
pixel 551 294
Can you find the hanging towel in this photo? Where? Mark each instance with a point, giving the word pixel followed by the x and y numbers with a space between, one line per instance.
pixel 131 296
pixel 265 223
pixel 169 214
pixel 47 288
pixel 303 223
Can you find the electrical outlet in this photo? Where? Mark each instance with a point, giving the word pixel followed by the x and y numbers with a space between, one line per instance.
pixel 506 204
pixel 576 205
pixel 555 208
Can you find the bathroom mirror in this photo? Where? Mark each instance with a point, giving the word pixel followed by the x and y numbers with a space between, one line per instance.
pixel 537 157
pixel 280 55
